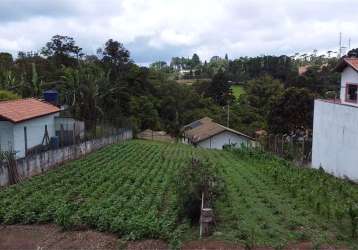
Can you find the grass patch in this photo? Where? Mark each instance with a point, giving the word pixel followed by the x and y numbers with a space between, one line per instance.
pixel 237 90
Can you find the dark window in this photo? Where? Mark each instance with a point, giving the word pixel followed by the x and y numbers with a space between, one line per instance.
pixel 352 92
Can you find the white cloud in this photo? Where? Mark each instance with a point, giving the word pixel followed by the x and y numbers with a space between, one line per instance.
pixel 159 29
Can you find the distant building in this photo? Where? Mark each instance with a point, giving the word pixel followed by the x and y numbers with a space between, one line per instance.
pixel 205 133
pixel 26 123
pixel 335 128
pixel 303 69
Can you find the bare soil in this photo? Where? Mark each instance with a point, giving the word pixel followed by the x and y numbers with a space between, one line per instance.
pixel 41 237
pixel 51 237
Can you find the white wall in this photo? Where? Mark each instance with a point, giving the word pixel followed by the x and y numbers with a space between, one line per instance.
pixel 6 135
pixel 335 139
pixel 219 140
pixel 35 133
pixel 348 75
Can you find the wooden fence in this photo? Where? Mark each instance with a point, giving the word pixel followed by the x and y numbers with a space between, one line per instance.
pixel 40 163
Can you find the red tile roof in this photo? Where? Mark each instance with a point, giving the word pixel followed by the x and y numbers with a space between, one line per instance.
pixel 25 109
pixel 353 62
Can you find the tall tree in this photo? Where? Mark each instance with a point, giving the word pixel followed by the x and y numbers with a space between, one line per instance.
pixel 262 92
pixel 62 50
pixel 195 61
pixel 219 89
pixel 292 112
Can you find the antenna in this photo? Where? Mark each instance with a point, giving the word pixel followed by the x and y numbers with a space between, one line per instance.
pixel 349 43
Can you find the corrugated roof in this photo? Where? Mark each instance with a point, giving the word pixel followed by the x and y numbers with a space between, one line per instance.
pixel 352 62
pixel 208 129
pixel 197 123
pixel 25 109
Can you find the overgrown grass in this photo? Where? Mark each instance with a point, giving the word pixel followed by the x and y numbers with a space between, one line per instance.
pixel 238 90
pixel 272 203
pixel 131 189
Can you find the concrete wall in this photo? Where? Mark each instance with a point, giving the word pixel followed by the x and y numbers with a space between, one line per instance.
pixel 349 75
pixel 224 138
pixel 6 135
pixel 68 124
pixel 37 164
pixel 35 133
pixel 335 139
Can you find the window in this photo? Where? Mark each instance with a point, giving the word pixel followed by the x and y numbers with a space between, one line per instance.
pixel 352 92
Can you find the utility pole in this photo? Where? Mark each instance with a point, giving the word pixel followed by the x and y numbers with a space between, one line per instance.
pixel 228 115
pixel 340 45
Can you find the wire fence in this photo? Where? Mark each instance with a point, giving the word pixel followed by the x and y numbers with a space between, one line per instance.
pixel 294 148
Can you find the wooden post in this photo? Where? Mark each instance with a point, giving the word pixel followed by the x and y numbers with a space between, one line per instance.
pixel 74 133
pixel 61 135
pixel 268 143
pixel 303 151
pixel 25 137
pixel 201 209
pixel 206 219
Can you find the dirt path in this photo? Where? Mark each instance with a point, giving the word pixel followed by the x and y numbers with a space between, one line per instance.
pixel 51 237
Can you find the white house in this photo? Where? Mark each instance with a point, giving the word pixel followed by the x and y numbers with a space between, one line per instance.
pixel 205 133
pixel 335 127
pixel 26 123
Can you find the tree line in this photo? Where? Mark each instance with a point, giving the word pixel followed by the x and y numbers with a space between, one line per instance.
pixel 109 88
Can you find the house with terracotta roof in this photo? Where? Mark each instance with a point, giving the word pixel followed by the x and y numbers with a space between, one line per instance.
pixel 206 133
pixel 25 124
pixel 335 126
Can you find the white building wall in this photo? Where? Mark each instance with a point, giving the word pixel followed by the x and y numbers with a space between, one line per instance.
pixel 348 75
pixel 6 135
pixel 35 133
pixel 335 139
pixel 224 138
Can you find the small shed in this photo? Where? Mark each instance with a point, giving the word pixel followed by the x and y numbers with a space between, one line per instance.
pixel 25 124
pixel 206 133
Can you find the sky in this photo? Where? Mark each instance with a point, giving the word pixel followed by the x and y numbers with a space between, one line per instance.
pixel 160 29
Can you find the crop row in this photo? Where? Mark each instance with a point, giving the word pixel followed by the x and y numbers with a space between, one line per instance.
pixel 126 189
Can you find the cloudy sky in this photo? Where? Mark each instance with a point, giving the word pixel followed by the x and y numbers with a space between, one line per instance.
pixel 159 29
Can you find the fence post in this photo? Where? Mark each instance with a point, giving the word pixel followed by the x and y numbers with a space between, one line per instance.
pixel 303 151
pixel 25 137
pixel 61 135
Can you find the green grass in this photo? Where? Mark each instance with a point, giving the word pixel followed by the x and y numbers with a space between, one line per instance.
pixel 130 189
pixel 238 90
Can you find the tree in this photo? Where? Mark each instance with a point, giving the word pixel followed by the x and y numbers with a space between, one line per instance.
pixel 219 89
pixel 195 61
pixel 353 53
pixel 6 61
pixel 60 46
pixel 159 65
pixel 261 94
pixel 115 58
pixel 63 50
pixel 7 95
pixel 115 53
pixel 292 112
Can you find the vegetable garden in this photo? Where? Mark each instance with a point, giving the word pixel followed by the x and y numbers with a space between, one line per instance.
pixel 131 189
